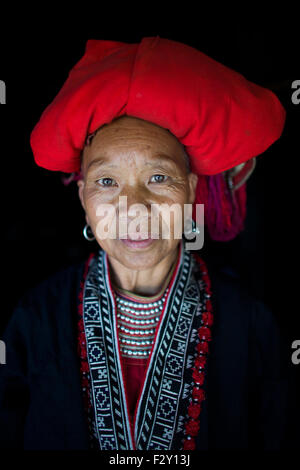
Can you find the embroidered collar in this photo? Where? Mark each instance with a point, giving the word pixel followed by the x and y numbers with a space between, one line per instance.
pixel 167 411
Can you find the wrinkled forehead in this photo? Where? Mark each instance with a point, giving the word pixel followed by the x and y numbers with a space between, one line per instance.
pixel 130 131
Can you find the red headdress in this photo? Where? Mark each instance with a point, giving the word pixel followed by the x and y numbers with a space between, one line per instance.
pixel 222 119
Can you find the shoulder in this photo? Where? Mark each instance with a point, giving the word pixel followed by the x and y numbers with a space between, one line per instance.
pixel 53 297
pixel 226 283
pixel 245 322
pixel 234 303
pixel 55 286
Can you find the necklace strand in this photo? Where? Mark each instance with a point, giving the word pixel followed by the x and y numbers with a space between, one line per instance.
pixel 137 323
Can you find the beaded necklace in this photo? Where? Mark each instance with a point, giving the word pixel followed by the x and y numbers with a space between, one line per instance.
pixel 136 324
pixel 137 318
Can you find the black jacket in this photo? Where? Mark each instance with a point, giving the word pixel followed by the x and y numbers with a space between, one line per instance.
pixel 41 403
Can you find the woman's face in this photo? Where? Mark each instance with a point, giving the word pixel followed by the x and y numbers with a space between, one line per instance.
pixel 143 164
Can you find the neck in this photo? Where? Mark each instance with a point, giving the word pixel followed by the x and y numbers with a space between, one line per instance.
pixel 147 282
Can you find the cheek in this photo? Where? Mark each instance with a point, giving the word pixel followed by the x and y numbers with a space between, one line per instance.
pixel 170 212
pixel 91 205
pixel 93 202
pixel 167 213
pixel 171 217
pixel 103 219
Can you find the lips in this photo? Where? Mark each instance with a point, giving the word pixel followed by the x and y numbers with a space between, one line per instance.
pixel 138 237
pixel 138 242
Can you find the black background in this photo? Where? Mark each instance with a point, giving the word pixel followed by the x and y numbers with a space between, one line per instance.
pixel 42 220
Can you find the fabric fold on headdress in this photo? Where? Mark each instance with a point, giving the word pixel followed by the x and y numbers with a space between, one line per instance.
pixel 220 117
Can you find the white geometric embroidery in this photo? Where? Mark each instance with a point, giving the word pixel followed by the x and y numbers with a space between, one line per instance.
pixel 101 422
pixel 96 352
pixel 107 444
pixel 186 307
pixel 174 365
pixel 91 312
pixel 191 291
pixel 199 310
pixel 102 374
pixel 186 390
pixel 167 384
pixel 102 398
pixel 166 408
pixel 183 326
pixel 180 346
pixel 189 361
pixel 167 434
pixel 89 332
pixel 194 335
pixel 180 423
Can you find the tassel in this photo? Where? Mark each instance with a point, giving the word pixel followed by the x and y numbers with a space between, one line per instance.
pixel 66 180
pixel 224 210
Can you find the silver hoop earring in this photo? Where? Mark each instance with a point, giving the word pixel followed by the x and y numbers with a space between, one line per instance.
pixel 85 234
pixel 194 230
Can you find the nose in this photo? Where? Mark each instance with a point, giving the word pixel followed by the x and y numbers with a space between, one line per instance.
pixel 134 208
pixel 134 201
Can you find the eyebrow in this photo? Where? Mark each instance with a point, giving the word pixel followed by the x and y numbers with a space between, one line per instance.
pixel 153 162
pixel 101 162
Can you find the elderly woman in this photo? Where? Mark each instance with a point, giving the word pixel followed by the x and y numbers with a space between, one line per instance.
pixel 141 346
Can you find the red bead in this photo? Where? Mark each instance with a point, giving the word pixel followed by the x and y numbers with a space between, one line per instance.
pixel 198 377
pixel 192 427
pixel 207 318
pixel 200 361
pixel 198 393
pixel 189 444
pixel 202 347
pixel 204 333
pixel 194 410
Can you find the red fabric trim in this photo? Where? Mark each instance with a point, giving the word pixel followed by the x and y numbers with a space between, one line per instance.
pixel 192 425
pixel 134 374
pixel 118 343
pixel 157 327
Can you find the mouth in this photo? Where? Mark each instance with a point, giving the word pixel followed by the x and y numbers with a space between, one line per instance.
pixel 138 241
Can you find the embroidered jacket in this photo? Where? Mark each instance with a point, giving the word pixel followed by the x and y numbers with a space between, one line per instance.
pixel 216 377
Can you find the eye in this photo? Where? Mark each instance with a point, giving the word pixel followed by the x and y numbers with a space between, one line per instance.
pixel 159 178
pixel 106 182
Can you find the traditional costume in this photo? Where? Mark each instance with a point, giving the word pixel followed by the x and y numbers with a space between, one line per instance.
pixel 201 365
pixel 215 377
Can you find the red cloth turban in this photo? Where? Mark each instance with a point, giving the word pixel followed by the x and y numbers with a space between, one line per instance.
pixel 221 118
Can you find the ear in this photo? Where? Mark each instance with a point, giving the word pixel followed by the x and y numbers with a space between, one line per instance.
pixel 193 179
pixel 80 184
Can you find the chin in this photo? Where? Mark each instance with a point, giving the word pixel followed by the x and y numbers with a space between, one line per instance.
pixel 141 258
